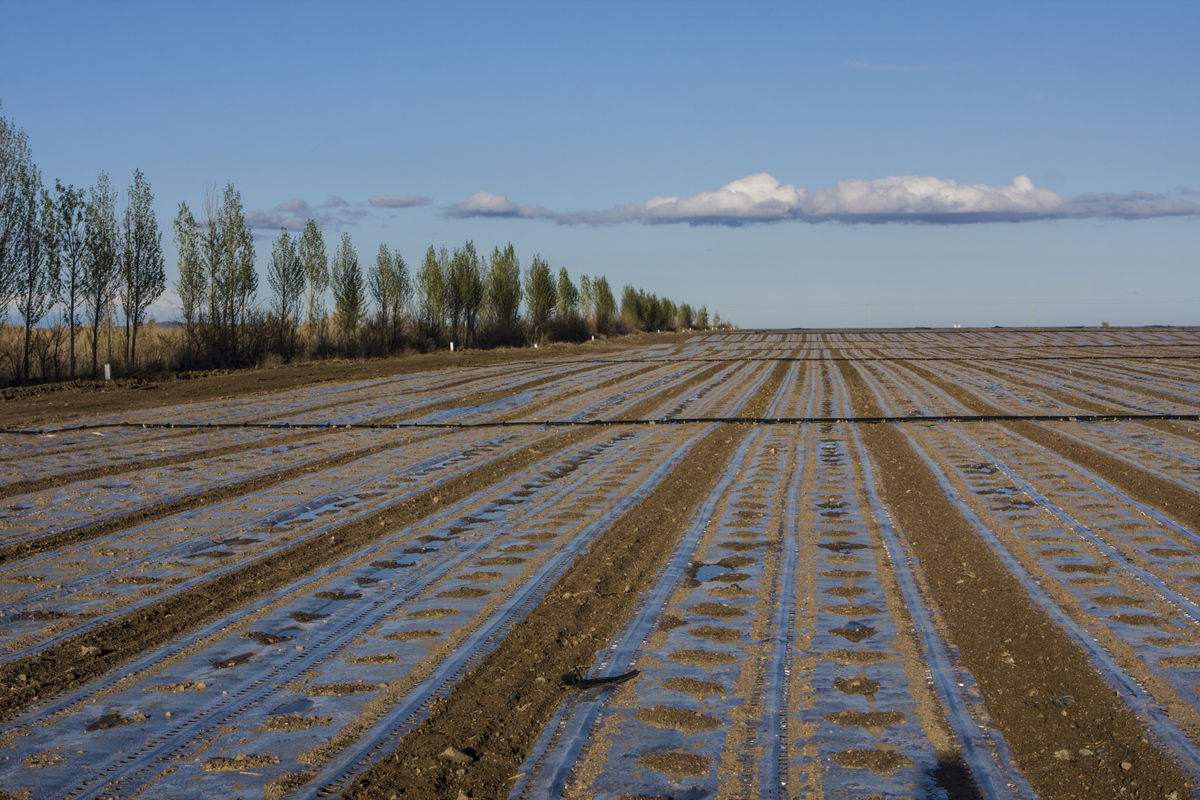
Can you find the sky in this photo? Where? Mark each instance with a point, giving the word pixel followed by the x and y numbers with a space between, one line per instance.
pixel 793 164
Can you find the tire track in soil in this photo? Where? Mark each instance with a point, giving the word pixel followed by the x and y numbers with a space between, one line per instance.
pixel 1168 497
pixel 995 620
pixel 501 706
pixel 79 659
pixel 25 549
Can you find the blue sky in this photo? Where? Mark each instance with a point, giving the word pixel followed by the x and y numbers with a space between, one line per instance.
pixel 573 116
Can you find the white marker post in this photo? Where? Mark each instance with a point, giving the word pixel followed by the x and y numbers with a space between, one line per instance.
pixel 108 372
pixel 452 347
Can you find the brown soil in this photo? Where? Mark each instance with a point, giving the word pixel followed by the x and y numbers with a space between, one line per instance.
pixel 885 762
pixel 239 762
pixel 676 764
pixel 995 619
pixel 339 689
pixel 680 719
pixel 294 722
pixel 696 688
pixel 499 708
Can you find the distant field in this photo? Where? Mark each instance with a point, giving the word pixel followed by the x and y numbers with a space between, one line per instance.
pixel 848 564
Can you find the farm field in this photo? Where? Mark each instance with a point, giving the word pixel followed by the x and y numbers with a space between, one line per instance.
pixel 748 564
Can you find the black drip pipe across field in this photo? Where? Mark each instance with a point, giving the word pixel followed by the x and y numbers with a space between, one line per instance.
pixel 600 423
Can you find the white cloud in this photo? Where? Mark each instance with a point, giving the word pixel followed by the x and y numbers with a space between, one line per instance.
pixel 908 198
pixel 485 204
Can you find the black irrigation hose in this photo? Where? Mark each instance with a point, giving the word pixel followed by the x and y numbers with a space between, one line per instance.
pixel 563 423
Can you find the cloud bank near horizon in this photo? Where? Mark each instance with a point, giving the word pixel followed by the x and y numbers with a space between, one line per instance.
pixel 335 212
pixel 915 199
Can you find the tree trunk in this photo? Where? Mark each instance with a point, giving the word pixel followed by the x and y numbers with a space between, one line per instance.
pixel 25 356
pixel 133 348
pixel 95 346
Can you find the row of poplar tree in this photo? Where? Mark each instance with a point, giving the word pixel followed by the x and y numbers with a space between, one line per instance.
pixel 77 257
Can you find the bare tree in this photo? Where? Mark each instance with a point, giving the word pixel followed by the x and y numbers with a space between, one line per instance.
pixel 101 265
pixel 143 274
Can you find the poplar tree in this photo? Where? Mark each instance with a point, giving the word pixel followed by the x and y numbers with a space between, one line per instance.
pixel 191 284
pixel 431 283
pixel 37 278
pixel 286 277
pixel 686 316
pixel 471 290
pixel 504 290
pixel 391 288
pixel 567 304
pixel 587 299
pixel 400 293
pixel 316 271
pixel 631 311
pixel 349 298
pixel 455 291
pixel 606 305
pixel 540 294
pixel 69 204
pixel 143 273
pixel 15 163
pixel 101 261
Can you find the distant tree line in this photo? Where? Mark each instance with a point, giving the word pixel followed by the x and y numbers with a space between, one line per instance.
pixel 80 268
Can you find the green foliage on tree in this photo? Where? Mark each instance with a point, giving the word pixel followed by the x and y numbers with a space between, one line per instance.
pixel 431 285
pixel 101 262
pixel 68 232
pixel 36 258
pixel 567 302
pixel 286 277
pixel 504 292
pixel 606 306
pixel 541 294
pixel 143 269
pixel 192 285
pixel 316 272
pixel 349 290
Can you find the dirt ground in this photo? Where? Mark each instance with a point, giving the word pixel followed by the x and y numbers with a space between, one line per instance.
pixel 236 610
